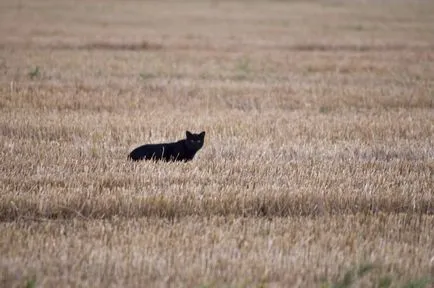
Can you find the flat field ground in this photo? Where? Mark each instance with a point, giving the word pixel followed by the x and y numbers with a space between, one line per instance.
pixel 318 159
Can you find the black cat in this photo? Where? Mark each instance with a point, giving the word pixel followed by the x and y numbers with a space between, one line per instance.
pixel 183 150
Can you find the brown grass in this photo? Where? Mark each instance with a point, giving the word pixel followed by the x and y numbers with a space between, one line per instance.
pixel 318 156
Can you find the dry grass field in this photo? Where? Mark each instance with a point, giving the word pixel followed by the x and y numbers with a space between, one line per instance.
pixel 318 163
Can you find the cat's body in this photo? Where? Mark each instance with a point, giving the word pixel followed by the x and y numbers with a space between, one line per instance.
pixel 182 150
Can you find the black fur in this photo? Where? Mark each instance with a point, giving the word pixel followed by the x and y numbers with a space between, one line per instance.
pixel 183 150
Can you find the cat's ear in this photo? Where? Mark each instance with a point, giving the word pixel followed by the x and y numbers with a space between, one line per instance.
pixel 188 134
pixel 202 135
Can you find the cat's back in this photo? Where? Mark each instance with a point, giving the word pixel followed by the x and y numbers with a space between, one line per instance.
pixel 146 151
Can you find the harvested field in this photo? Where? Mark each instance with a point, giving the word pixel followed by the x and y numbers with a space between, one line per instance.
pixel 318 163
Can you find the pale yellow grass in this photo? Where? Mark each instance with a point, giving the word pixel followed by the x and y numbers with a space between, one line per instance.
pixel 318 155
pixel 216 251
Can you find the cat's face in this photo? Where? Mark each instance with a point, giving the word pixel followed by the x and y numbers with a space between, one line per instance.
pixel 195 141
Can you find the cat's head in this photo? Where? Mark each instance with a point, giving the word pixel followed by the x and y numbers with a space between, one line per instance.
pixel 195 141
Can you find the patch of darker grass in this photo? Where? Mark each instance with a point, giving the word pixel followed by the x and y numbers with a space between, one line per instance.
pixel 110 46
